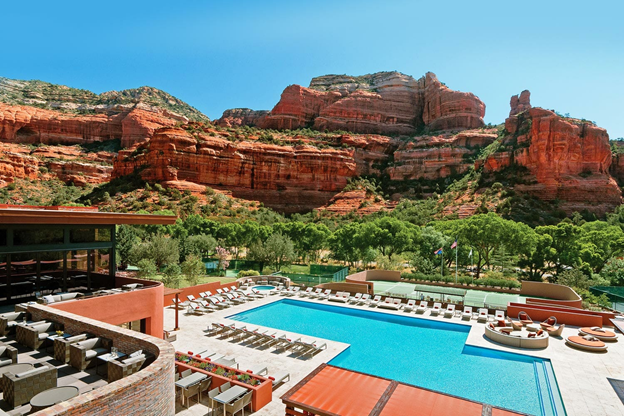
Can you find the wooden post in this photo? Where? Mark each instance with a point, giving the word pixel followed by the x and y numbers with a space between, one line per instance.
pixel 177 301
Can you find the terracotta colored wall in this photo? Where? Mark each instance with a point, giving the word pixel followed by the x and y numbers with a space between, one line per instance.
pixel 566 303
pixel 116 309
pixel 606 316
pixel 147 392
pixel 366 275
pixel 549 290
pixel 564 316
pixel 194 290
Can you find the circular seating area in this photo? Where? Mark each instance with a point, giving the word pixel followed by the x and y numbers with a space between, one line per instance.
pixel 517 338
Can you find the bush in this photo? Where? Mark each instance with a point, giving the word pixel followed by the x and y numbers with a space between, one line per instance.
pixel 245 273
pixel 172 275
pixel 147 269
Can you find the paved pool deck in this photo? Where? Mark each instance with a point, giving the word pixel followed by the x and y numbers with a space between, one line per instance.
pixel 583 377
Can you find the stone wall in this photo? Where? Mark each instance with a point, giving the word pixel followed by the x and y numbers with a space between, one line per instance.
pixel 147 392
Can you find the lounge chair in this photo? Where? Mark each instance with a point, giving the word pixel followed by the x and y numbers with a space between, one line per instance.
pixel 516 325
pixel 207 307
pixel 306 292
pixel 525 318
pixel 258 369
pixel 437 308
pixel 422 307
pixel 587 343
pixel 19 388
pixel 549 323
pixel 255 293
pixel 83 354
pixel 375 301
pixel 316 293
pixel 9 320
pixel 279 377
pixel 356 298
pixel 555 331
pixel 234 299
pixel 284 343
pixel 340 297
pixel 467 314
pixel 216 303
pixel 499 315
pixel 364 299
pixel 409 306
pixel 178 305
pixel 8 355
pixel 263 338
pixel 220 291
pixel 325 295
pixel 222 300
pixel 389 303
pixel 483 315
pixel 310 348
pixel 598 332
pixel 450 310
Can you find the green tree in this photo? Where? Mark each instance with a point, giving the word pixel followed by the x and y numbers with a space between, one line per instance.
pixel 567 250
pixel 147 269
pixel 126 239
pixel 342 245
pixel 535 250
pixel 159 248
pixel 199 245
pixel 193 268
pixel 614 271
pixel 279 249
pixel 172 276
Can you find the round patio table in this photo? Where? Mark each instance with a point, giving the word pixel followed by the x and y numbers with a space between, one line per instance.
pixel 15 368
pixel 53 396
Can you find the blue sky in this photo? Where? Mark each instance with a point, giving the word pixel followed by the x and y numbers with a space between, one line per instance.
pixel 219 55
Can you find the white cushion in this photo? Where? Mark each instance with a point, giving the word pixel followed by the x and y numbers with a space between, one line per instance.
pixel 48 299
pixel 29 372
pixel 132 360
pixel 136 353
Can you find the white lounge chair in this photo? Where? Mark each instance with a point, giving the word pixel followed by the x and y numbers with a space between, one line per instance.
pixel 306 292
pixel 285 343
pixel 483 315
pixel 356 298
pixel 325 295
pixel 207 306
pixel 340 297
pixel 437 308
pixel 422 307
pixel 316 293
pixel 310 348
pixel 364 299
pixel 259 369
pixel 234 299
pixel 279 377
pixel 375 301
pixel 499 316
pixel 391 303
pixel 450 310
pixel 467 313
pixel 409 306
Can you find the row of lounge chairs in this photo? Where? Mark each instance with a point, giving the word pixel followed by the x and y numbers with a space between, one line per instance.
pixel 209 302
pixel 257 337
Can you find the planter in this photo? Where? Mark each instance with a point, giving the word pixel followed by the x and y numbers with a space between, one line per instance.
pixel 262 391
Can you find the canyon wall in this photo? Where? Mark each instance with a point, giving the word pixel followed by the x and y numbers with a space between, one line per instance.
pixel 381 103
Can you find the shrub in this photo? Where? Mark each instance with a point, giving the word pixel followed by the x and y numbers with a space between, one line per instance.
pixel 172 276
pixel 245 273
pixel 147 269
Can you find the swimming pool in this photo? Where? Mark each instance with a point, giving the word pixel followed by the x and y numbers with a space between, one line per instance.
pixel 422 352
pixel 264 287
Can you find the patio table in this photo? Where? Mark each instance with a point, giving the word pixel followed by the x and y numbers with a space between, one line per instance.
pixel 188 381
pixel 53 396
pixel 230 395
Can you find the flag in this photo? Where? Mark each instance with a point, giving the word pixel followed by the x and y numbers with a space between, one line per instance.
pixel 438 251
pixel 470 254
pixel 454 244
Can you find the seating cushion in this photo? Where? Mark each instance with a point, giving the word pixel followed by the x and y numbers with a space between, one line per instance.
pixel 89 354
pixel 132 360
pixel 30 372
pixel 100 350
pixel 4 362
pixel 2 349
pixel 48 299
pixel 136 353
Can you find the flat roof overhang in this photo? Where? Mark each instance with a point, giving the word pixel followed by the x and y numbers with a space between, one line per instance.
pixel 66 217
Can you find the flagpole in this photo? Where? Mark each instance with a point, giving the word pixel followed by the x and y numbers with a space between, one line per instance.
pixel 442 265
pixel 456 249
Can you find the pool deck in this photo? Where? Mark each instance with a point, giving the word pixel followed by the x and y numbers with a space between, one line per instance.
pixel 582 376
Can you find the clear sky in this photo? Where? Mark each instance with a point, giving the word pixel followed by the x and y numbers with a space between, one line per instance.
pixel 219 55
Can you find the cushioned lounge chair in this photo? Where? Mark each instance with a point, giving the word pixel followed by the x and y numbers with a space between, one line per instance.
pixel 279 377
pixel 587 343
pixel 437 308
pixel 364 299
pixel 83 354
pixel 422 308
pixel 409 306
pixel 555 331
pixel 450 310
pixel 316 293
pixel 525 318
pixel 598 332
pixel 483 315
pixel 550 322
pixel 467 313
pixel 306 292
pixel 356 298
pixel 375 301
pixel 325 295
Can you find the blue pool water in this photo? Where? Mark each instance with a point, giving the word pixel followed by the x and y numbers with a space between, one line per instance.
pixel 264 287
pixel 421 352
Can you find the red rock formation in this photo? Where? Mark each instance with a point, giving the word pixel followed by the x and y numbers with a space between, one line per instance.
pixel 22 124
pixel 381 103
pixel 241 117
pixel 80 173
pixel 569 158
pixel 446 109
pixel 357 201
pixel 520 103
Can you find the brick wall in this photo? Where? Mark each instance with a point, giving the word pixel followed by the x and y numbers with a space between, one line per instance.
pixel 147 392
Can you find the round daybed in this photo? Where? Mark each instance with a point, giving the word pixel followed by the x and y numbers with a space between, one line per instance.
pixel 597 332
pixel 587 343
pixel 515 338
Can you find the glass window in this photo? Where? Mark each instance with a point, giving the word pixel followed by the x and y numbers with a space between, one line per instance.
pixel 82 235
pixel 103 234
pixel 3 237
pixel 26 237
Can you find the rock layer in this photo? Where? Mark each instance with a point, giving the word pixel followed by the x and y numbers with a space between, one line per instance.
pixel 381 103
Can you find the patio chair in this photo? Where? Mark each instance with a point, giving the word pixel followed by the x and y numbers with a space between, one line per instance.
pixel 61 346
pixel 364 299
pixel 225 386
pixel 19 388
pixel 524 318
pixel 549 323
pixel 450 310
pixel 437 308
pixel 258 369
pixel 467 313
pixel 409 306
pixel 279 377
pixel 422 307
pixel 239 405
pixel 116 370
pixel 36 335
pixel 284 343
pixel 83 354
pixel 306 292
pixel 483 315
pixel 264 339
pixel 316 293
pixel 8 355
pixel 234 299
pixel 325 294
pixel 8 321
pixel 555 331
pixel 375 301
pixel 211 395
pixel 499 315
pixel 189 392
pixel 310 348
pixel 356 298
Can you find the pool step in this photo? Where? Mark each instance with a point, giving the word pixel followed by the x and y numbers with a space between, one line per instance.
pixel 551 403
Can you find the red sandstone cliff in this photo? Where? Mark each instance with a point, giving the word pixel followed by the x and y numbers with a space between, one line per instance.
pixel 569 158
pixel 381 103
